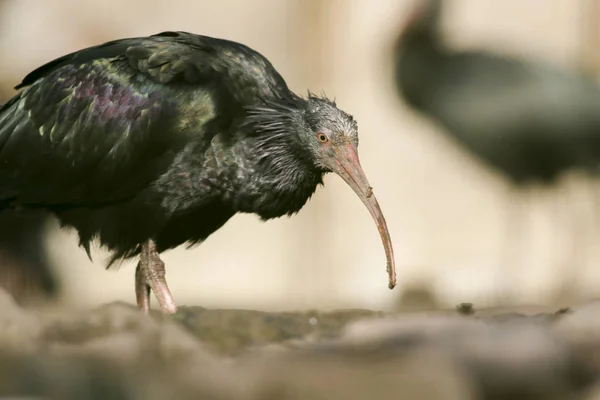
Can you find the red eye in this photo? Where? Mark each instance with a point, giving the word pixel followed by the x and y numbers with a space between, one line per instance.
pixel 322 137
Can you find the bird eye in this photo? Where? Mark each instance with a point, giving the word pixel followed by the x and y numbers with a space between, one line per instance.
pixel 322 137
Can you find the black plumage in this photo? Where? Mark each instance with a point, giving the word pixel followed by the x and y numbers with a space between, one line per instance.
pixel 148 143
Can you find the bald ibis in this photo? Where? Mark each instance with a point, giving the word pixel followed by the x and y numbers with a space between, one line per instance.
pixel 151 142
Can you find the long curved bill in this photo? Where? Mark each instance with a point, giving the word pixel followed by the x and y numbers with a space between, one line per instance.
pixel 348 167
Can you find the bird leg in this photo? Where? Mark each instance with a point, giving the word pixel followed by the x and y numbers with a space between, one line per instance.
pixel 142 289
pixel 150 275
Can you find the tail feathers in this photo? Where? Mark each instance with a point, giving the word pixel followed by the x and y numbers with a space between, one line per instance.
pixel 86 246
pixel 116 258
pixel 120 256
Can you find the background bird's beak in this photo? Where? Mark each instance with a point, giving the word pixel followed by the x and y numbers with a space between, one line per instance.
pixel 346 164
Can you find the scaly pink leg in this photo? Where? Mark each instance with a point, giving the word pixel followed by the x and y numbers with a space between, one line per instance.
pixel 142 289
pixel 150 275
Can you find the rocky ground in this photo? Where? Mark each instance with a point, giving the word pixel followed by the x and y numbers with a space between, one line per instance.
pixel 114 352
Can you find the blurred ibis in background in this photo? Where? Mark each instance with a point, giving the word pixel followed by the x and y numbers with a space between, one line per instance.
pixel 25 270
pixel 529 121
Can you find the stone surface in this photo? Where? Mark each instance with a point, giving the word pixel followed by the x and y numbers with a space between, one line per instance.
pixel 116 352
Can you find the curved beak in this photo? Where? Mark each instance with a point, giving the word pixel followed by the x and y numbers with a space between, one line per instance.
pixel 345 163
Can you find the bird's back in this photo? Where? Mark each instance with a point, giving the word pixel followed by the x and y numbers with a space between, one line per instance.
pixel 97 125
pixel 70 138
pixel 113 139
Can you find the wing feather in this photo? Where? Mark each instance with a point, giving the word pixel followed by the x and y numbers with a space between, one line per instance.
pixel 98 125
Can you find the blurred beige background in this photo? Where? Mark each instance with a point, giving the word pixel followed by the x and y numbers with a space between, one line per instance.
pixel 445 212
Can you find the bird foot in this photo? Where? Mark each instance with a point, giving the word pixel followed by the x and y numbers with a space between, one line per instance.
pixel 150 275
